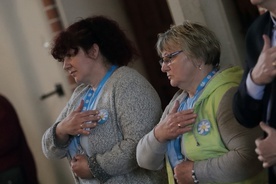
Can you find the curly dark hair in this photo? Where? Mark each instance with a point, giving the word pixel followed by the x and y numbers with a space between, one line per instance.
pixel 105 32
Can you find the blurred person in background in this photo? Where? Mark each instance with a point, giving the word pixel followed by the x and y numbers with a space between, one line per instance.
pixel 17 165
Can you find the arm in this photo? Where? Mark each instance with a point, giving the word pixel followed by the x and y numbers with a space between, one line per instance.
pixel 152 148
pixel 151 153
pixel 247 110
pixel 50 147
pixel 240 142
pixel 70 122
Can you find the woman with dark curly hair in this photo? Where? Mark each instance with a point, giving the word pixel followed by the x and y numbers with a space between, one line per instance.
pixel 110 110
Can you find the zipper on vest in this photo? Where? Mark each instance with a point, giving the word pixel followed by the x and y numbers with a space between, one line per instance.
pixel 197 143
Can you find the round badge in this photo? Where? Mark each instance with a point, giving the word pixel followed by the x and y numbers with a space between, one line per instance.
pixel 103 115
pixel 204 127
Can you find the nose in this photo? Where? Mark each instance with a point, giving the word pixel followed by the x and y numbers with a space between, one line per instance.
pixel 164 67
pixel 66 64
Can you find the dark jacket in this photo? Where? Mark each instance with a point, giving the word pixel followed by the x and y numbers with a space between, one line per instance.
pixel 248 111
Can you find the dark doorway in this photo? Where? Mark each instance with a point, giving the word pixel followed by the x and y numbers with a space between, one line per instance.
pixel 148 18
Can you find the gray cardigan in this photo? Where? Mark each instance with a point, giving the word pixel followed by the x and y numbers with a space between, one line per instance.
pixel 134 108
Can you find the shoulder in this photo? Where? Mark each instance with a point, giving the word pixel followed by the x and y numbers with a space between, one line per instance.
pixel 78 93
pixel 126 77
pixel 80 89
pixel 126 73
pixel 227 98
pixel 260 23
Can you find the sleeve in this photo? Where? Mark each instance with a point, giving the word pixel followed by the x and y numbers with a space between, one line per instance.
pixel 254 90
pixel 151 153
pixel 138 109
pixel 50 147
pixel 247 110
pixel 240 142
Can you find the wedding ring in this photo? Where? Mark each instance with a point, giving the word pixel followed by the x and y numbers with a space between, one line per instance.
pixel 274 63
pixel 81 125
pixel 179 126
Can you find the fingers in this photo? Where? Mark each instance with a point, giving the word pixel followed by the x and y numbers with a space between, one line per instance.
pixel 265 163
pixel 257 141
pixel 267 43
pixel 265 128
pixel 85 127
pixel 185 118
pixel 89 116
pixel 175 107
pixel 79 108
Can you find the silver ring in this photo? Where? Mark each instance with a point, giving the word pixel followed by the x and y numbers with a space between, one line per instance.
pixel 274 63
pixel 179 126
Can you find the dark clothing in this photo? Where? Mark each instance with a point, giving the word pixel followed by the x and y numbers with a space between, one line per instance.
pixel 248 111
pixel 15 156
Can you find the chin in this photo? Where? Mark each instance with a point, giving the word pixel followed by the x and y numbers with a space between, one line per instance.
pixel 173 84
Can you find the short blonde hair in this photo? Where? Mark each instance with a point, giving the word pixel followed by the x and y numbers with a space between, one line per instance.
pixel 195 40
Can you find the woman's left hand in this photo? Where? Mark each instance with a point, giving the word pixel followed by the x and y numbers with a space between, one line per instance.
pixel 183 172
pixel 79 166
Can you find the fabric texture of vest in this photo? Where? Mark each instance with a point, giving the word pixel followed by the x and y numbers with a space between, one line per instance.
pixel 204 142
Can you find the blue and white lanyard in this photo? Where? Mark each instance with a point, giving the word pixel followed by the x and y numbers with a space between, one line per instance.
pixel 174 146
pixel 91 96
pixel 89 102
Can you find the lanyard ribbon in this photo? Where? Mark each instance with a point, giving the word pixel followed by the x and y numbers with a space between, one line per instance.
pixel 90 99
pixel 174 146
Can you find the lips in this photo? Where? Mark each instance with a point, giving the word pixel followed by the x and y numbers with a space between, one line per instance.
pixel 72 72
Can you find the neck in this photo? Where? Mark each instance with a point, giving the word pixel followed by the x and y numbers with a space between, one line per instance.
pixel 98 78
pixel 199 76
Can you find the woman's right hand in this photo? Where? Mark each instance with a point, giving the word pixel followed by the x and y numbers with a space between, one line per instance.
pixel 175 124
pixel 75 123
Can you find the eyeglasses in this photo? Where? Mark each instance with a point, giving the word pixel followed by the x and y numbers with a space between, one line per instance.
pixel 168 58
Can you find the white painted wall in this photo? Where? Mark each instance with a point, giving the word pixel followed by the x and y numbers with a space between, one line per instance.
pixel 72 10
pixel 27 70
pixel 221 17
